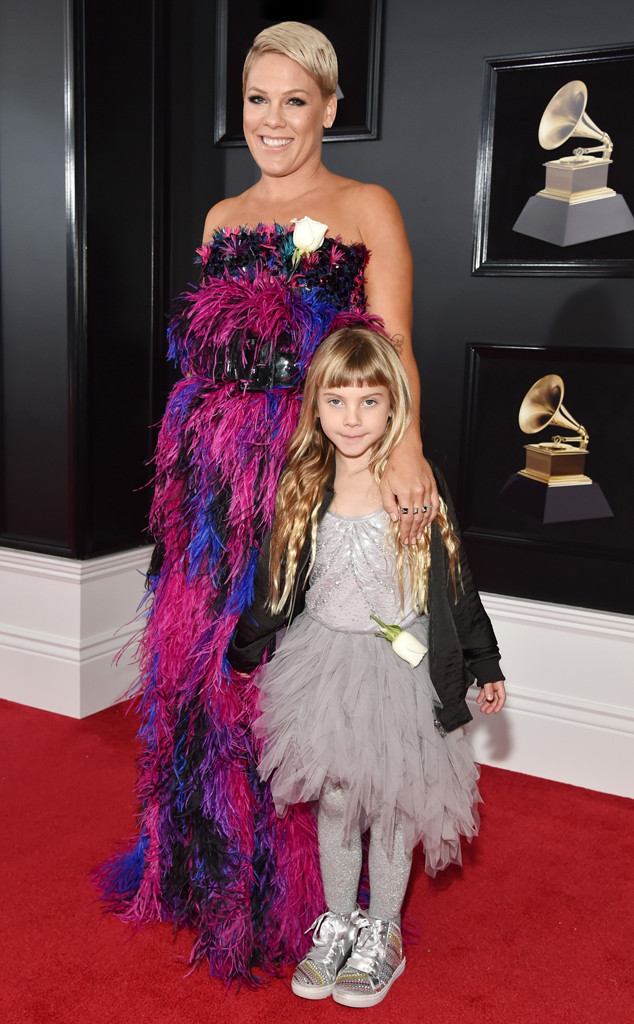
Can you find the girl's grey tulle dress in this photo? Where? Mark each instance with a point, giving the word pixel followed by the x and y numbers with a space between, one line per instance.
pixel 337 702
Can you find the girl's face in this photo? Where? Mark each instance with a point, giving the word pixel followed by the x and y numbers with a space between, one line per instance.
pixel 353 418
pixel 284 115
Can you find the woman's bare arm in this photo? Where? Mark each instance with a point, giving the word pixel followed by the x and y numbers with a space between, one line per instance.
pixel 408 482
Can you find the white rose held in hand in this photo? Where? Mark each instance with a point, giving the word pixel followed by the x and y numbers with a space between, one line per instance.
pixel 404 644
pixel 307 236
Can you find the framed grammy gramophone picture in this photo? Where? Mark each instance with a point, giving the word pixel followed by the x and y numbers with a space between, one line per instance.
pixel 555 172
pixel 548 473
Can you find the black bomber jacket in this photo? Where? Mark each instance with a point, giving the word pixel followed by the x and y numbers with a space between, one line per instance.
pixel 462 645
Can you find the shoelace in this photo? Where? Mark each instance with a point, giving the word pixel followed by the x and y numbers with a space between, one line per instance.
pixel 316 928
pixel 324 934
pixel 368 948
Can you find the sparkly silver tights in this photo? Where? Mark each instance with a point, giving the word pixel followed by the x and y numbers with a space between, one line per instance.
pixel 340 861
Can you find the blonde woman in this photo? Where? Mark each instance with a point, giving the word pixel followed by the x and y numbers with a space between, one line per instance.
pixel 365 728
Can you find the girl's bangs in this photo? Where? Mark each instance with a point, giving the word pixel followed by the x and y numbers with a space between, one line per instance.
pixel 354 373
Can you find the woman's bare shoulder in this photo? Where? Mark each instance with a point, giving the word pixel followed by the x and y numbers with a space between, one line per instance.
pixel 365 192
pixel 359 206
pixel 225 214
pixel 376 201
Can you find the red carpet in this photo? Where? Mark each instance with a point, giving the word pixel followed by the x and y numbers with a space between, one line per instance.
pixel 535 929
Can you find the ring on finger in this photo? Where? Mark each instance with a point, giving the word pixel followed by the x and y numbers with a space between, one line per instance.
pixel 404 511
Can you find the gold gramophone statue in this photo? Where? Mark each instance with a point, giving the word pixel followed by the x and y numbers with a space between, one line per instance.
pixel 576 204
pixel 553 486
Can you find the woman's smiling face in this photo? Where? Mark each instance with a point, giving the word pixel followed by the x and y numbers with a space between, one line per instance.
pixel 284 115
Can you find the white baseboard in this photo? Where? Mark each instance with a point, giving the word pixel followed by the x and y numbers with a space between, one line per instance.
pixel 570 711
pixel 63 623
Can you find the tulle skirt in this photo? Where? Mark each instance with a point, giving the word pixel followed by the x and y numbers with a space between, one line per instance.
pixel 344 706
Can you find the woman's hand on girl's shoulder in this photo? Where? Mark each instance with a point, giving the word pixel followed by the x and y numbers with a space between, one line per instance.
pixel 409 491
pixel 492 697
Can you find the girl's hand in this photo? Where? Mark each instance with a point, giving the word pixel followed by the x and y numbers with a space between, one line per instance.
pixel 492 697
pixel 408 487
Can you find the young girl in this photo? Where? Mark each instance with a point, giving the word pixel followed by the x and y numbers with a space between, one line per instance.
pixel 346 722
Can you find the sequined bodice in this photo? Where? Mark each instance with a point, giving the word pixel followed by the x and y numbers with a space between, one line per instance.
pixel 335 269
pixel 354 575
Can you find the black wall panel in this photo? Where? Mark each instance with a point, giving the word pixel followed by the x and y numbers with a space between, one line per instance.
pixel 120 165
pixel 90 94
pixel 35 464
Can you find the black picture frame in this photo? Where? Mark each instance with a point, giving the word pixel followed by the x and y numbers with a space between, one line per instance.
pixel 510 160
pixel 599 384
pixel 354 29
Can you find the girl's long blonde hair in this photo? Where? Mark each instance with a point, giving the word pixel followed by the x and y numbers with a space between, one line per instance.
pixel 351 357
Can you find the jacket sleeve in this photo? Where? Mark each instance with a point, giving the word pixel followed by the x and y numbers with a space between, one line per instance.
pixel 257 625
pixel 473 626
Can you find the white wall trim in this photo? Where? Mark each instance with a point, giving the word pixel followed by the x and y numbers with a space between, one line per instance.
pixel 67 628
pixel 562 618
pixel 67 648
pixel 570 682
pixel 583 712
pixel 63 569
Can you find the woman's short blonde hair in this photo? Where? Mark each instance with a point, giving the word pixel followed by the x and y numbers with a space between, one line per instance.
pixel 306 45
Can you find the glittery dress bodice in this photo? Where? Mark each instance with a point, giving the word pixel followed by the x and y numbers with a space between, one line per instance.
pixel 335 269
pixel 354 575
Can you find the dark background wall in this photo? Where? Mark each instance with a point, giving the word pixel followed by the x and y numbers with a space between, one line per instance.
pixel 430 112
pixel 81 271
pixel 35 457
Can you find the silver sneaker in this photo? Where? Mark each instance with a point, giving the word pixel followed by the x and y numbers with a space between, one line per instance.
pixel 333 937
pixel 374 965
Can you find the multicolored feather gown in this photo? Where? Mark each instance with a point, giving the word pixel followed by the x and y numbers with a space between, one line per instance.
pixel 211 854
